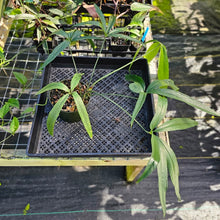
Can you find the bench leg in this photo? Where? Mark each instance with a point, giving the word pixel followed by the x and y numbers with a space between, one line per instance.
pixel 132 172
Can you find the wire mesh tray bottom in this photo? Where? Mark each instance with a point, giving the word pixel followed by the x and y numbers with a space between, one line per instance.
pixel 112 133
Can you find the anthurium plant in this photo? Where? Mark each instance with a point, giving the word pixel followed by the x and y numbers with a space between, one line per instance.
pixel 163 157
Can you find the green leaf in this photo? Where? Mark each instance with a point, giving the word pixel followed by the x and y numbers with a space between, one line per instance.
pixel 57 50
pixel 4 110
pixel 114 31
pixel 136 87
pixel 83 113
pixel 162 173
pixel 13 102
pixel 75 35
pixel 54 85
pixel 163 64
pixel 157 84
pixel 173 167
pixel 52 30
pixel 102 18
pixel 20 77
pixel 151 166
pixel 27 207
pixel 31 24
pixel 177 124
pixel 45 46
pixel 27 110
pixel 54 113
pixel 62 33
pixel 184 98
pixel 160 113
pixel 88 23
pixel 56 11
pixel 138 106
pixel 144 7
pixel 155 144
pixel 24 17
pixel 75 80
pixel 111 23
pixel 50 23
pixel 14 125
pixel 141 7
pixel 39 35
pixel 31 9
pixel 135 78
pixel 138 19
pixel 152 51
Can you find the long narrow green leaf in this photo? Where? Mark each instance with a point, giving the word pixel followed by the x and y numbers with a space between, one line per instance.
pixel 24 16
pixel 75 80
pixel 163 64
pixel 88 23
pixel 102 18
pixel 151 166
pixel 155 144
pixel 157 84
pixel 114 31
pixel 177 124
pixel 74 35
pixel 136 6
pixel 111 23
pixel 39 34
pixel 54 113
pixel 83 113
pixel 162 178
pixel 152 51
pixel 184 98
pixel 50 23
pixel 31 9
pixel 45 46
pixel 53 85
pixel 160 113
pixel 172 165
pixel 139 104
pixel 56 11
pixel 57 50
pixel 61 32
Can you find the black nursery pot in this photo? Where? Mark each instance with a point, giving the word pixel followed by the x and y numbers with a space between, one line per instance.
pixel 66 114
pixel 70 116
pixel 119 47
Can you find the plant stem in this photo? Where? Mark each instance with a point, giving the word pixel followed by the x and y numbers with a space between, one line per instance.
pixel 123 111
pixel 109 74
pixel 74 63
pixel 6 138
pixel 96 62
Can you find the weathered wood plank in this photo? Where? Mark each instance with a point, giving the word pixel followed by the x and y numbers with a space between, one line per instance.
pixel 9 158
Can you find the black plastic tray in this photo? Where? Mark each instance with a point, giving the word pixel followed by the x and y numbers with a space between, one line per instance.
pixel 113 135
